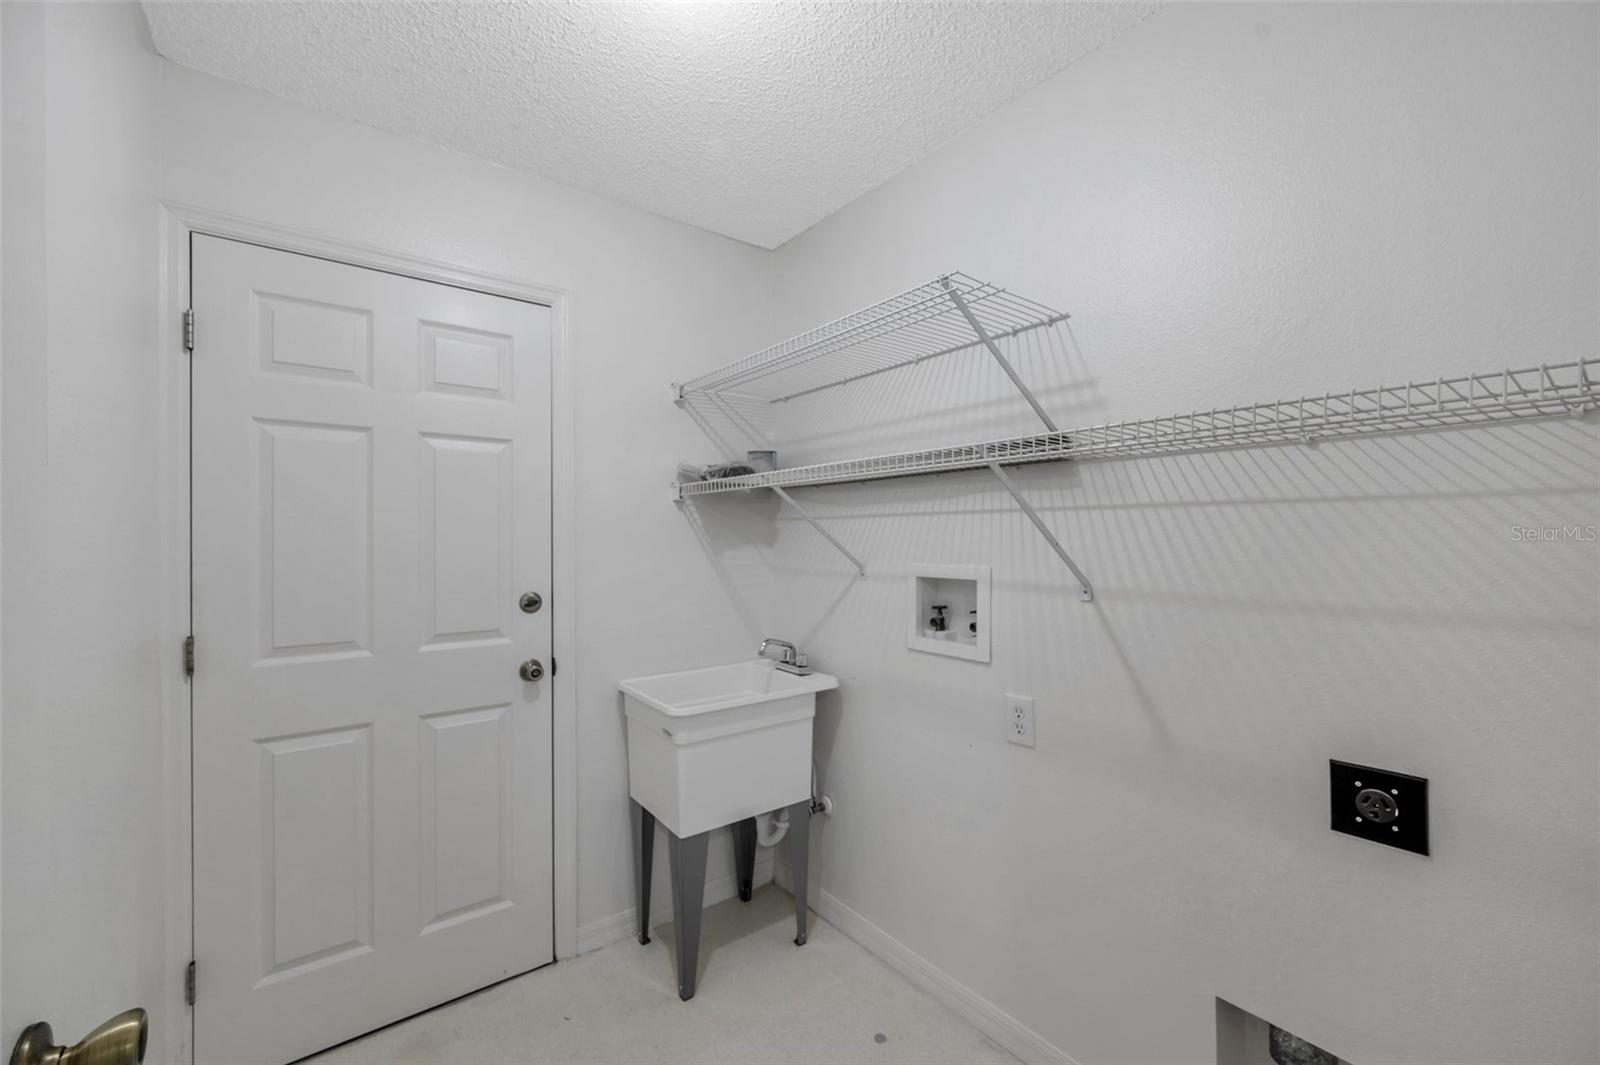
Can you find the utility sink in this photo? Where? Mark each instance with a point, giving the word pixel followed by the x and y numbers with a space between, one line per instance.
pixel 709 747
pixel 714 747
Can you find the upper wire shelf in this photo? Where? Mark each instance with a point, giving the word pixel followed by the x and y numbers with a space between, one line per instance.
pixel 919 324
pixel 1542 391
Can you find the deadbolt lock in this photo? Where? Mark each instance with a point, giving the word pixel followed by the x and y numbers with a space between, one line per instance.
pixel 531 670
pixel 530 602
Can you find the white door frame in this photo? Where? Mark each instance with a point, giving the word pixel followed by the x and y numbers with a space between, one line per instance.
pixel 178 223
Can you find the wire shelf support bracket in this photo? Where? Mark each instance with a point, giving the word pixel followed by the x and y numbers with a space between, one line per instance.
pixel 988 342
pixel 861 569
pixel 1085 589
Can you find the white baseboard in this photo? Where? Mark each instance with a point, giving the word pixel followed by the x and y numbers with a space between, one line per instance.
pixel 1016 1037
pixel 619 926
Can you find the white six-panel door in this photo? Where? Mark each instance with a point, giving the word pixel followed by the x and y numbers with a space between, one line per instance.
pixel 372 777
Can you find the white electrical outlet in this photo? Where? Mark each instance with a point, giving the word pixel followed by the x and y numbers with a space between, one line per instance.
pixel 1019 720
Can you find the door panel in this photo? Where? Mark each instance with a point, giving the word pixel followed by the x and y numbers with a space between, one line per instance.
pixel 466 803
pixel 371 495
pixel 466 539
pixel 316 848
pixel 315 507
pixel 314 339
pixel 465 362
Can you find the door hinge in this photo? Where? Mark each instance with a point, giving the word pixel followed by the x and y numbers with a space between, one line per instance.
pixel 188 329
pixel 188 656
pixel 552 665
pixel 189 983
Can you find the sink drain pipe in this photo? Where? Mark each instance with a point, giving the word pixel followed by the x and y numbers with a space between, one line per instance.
pixel 772 827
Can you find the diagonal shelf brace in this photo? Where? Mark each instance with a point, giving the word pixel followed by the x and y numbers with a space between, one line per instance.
pixel 809 520
pixel 994 349
pixel 1085 591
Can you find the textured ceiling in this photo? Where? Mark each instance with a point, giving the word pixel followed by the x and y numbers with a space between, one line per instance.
pixel 754 120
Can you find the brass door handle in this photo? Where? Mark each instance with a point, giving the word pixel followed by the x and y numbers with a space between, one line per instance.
pixel 119 1041
pixel 531 670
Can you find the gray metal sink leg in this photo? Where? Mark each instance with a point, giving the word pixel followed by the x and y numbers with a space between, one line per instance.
pixel 744 855
pixel 799 853
pixel 688 860
pixel 644 851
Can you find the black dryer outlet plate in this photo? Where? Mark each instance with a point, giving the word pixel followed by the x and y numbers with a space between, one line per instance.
pixel 1396 816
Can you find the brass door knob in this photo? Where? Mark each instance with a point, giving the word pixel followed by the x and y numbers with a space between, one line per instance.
pixel 119 1041
pixel 531 670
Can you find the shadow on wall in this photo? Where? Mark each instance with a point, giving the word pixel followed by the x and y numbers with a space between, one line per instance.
pixel 736 531
pixel 1337 582
pixel 1230 584
pixel 733 424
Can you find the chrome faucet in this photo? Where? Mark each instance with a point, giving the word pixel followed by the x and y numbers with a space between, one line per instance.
pixel 793 660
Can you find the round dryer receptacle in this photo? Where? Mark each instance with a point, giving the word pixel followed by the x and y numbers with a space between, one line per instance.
pixel 1378 806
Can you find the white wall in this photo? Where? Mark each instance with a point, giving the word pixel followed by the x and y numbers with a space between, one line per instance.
pixel 83 893
pixel 98 130
pixel 1237 203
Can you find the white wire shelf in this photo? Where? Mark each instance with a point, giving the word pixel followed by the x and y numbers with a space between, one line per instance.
pixel 1543 391
pixel 938 318
pixel 956 312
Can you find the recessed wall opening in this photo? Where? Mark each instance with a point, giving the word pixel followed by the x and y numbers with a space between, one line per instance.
pixel 949 611
pixel 1245 1039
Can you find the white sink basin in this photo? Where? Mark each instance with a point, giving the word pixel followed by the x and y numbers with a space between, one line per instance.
pixel 700 691
pixel 707 747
